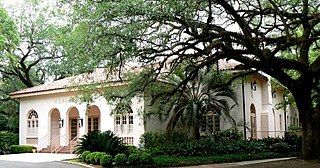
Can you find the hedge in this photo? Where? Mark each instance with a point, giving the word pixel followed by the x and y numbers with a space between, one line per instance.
pixel 21 149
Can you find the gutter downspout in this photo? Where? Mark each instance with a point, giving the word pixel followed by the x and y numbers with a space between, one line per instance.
pixel 285 112
pixel 244 111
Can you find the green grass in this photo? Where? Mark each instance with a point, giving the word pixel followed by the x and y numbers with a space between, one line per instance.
pixel 190 161
pixel 76 160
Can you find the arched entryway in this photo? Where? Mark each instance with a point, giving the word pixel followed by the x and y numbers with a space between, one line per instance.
pixel 253 120
pixel 73 126
pixel 54 116
pixel 93 120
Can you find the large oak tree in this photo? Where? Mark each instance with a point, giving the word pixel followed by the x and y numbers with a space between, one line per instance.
pixel 257 33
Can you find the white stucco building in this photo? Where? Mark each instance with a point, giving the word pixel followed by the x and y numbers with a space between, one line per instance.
pixel 51 120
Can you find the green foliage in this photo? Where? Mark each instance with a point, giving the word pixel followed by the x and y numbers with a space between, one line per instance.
pixel 134 159
pixel 21 149
pixel 133 149
pixel 146 158
pixel 97 157
pixel 154 139
pixel 120 159
pixel 172 161
pixel 294 128
pixel 212 145
pixel 226 135
pixel 88 158
pixel 92 158
pixel 6 140
pixel 96 141
pixel 84 155
pixel 106 160
pixel 186 102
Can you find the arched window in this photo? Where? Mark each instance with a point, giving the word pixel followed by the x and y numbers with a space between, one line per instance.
pixel 210 123
pixel 32 123
pixel 123 116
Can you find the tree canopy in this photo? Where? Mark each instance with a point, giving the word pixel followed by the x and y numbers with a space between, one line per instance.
pixel 255 33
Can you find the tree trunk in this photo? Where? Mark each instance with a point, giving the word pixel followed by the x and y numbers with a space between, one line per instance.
pixel 196 131
pixel 311 139
pixel 310 120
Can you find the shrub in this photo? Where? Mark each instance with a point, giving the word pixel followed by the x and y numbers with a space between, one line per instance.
pixel 92 157
pixel 88 158
pixel 281 147
pixel 134 159
pixel 146 158
pixel 97 157
pixel 120 159
pixel 226 135
pixel 83 156
pixel 151 139
pixel 96 141
pixel 132 149
pixel 6 140
pixel 21 149
pixel 106 160
pixel 294 128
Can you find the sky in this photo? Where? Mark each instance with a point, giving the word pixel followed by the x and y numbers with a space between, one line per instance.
pixel 10 2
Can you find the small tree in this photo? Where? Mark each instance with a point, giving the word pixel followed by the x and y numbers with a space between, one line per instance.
pixel 207 92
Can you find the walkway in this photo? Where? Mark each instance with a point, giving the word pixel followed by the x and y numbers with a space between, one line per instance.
pixel 238 164
pixel 37 160
pixel 36 157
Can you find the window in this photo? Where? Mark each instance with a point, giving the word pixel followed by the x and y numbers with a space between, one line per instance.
pixel 127 140
pixel 32 123
pixel 210 123
pixel 124 122
pixel 93 124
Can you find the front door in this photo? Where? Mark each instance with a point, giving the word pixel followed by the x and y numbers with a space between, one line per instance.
pixel 74 128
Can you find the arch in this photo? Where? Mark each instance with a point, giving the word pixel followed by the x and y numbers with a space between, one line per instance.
pixel 253 121
pixel 72 123
pixel 93 120
pixel 274 122
pixel 54 116
pixel 32 123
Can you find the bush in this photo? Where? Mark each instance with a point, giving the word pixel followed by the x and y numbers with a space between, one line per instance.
pixel 97 157
pixel 146 158
pixel 21 149
pixel 151 139
pixel 83 156
pixel 120 159
pixel 96 141
pixel 92 158
pixel 281 147
pixel 88 158
pixel 226 135
pixel 132 150
pixel 6 140
pixel 106 160
pixel 214 145
pixel 134 159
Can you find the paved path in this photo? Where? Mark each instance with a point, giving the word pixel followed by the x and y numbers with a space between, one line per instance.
pixel 37 160
pixel 238 164
pixel 36 157
pixel 13 164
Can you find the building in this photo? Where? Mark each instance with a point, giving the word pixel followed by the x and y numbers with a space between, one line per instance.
pixel 52 120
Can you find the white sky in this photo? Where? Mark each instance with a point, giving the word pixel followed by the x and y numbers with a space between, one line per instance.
pixel 7 3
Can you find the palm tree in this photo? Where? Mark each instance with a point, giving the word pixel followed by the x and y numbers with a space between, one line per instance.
pixel 206 92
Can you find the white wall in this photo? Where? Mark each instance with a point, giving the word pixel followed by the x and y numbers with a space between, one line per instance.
pixel 62 101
